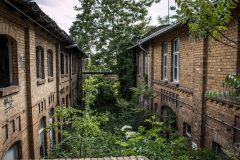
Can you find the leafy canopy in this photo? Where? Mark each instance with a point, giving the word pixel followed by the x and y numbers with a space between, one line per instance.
pixel 206 17
pixel 103 28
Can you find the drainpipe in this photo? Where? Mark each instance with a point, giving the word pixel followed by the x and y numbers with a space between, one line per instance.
pixel 149 75
pixel 146 52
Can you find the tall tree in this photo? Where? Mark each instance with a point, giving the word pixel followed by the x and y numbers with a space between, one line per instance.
pixel 103 28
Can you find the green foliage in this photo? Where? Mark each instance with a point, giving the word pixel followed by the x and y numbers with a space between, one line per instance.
pixel 232 84
pixel 83 135
pixel 206 17
pixel 165 20
pixel 104 27
pixel 151 143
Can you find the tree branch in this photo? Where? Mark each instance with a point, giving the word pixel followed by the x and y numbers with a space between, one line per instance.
pixel 222 42
pixel 228 38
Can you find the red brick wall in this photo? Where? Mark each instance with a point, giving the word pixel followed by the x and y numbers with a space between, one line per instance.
pixel 28 97
pixel 203 66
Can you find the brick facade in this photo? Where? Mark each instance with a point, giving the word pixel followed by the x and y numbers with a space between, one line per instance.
pixel 27 100
pixel 203 65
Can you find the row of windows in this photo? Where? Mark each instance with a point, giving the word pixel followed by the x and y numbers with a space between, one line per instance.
pixel 9 60
pixel 40 62
pixel 175 61
pixel 165 70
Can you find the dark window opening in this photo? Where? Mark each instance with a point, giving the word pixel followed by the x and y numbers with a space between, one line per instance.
pixel 40 62
pixel 66 64
pixel 169 118
pixel 219 154
pixel 187 130
pixel 62 64
pixel 42 138
pixel 13 152
pixel 50 63
pixel 7 50
pixel 237 130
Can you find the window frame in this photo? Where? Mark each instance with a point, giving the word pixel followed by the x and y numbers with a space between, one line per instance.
pixel 139 63
pixel 42 134
pixel 40 63
pixel 12 61
pixel 176 54
pixel 66 64
pixel 146 64
pixel 186 131
pixel 50 63
pixel 165 61
pixel 62 63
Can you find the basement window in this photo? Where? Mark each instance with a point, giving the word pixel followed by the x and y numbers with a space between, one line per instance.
pixel 218 152
pixel 187 130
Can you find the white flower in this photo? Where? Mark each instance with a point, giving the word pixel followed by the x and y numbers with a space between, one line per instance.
pixel 130 134
pixel 126 127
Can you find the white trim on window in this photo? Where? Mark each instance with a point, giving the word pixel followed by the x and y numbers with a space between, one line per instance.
pixel 165 61
pixel 176 60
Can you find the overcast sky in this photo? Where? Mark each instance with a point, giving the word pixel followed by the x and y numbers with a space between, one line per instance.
pixel 63 13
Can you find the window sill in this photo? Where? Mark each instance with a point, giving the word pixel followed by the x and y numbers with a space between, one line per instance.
pixel 175 83
pixel 40 82
pixel 50 79
pixel 66 75
pixel 8 90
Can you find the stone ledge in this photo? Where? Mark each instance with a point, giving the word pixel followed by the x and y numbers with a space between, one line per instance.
pixel 40 81
pixel 8 90
pixel 50 79
pixel 235 102
pixel 174 85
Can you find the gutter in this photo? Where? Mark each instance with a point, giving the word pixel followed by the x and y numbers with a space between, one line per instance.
pixel 76 47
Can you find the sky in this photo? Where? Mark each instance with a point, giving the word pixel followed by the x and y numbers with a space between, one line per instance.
pixel 63 13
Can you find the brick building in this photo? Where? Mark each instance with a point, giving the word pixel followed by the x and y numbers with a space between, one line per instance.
pixel 180 71
pixel 40 70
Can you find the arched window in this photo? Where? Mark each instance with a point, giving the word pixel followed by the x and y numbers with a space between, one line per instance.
pixel 169 117
pixel 50 63
pixel 8 59
pixel 42 137
pixel 13 152
pixel 40 62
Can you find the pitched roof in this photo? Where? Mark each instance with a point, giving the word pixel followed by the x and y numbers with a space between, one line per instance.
pixel 155 33
pixel 32 11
